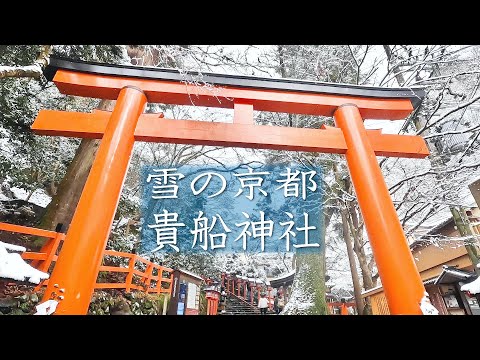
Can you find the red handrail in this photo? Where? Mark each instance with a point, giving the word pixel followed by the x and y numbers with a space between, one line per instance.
pixel 48 254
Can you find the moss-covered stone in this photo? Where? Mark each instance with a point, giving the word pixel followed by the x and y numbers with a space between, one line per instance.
pixel 34 298
pixel 17 312
pixel 23 304
pixel 120 303
pixel 22 298
pixel 26 307
pixel 7 302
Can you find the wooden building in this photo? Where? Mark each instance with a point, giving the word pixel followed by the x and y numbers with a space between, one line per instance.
pixel 444 265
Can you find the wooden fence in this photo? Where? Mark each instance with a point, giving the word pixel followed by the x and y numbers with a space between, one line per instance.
pixel 152 279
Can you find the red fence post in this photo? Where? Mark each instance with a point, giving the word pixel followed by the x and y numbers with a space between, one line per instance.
pixel 270 304
pixel 148 276
pixel 252 290
pixel 131 268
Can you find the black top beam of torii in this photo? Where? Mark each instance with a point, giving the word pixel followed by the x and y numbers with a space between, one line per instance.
pixel 415 94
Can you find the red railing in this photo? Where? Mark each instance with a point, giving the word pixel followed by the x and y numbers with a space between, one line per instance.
pixel 147 281
pixel 234 284
pixel 338 305
pixel 150 280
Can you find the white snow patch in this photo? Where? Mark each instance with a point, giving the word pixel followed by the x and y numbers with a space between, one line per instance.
pixel 283 276
pixel 472 287
pixel 372 289
pixel 426 306
pixel 191 274
pixel 121 222
pixel 13 247
pixel 39 197
pixel 12 266
pixel 46 308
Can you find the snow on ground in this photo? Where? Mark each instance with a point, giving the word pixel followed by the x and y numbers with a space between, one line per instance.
pixel 39 197
pixel 123 221
pixel 46 308
pixel 472 287
pixel 427 307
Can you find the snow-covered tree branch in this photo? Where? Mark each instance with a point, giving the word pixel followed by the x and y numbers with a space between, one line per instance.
pixel 34 70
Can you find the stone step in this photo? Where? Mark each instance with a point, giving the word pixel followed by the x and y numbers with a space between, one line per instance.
pixel 235 306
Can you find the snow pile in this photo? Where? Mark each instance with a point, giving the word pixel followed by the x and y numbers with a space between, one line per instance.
pixel 426 306
pixel 39 197
pixel 46 308
pixel 301 300
pixel 472 287
pixel 12 266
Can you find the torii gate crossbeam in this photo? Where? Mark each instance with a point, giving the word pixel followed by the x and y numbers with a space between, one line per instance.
pixel 77 266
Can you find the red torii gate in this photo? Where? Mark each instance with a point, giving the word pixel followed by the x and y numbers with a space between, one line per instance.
pixel 77 266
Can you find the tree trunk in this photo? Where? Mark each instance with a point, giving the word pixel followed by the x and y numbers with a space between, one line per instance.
pixel 63 204
pixel 357 288
pixel 308 289
pixel 395 69
pixel 356 229
pixel 461 221
pixel 359 250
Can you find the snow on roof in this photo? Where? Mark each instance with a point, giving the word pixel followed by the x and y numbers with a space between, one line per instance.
pixel 472 287
pixel 283 276
pixel 190 273
pixel 430 281
pixel 376 288
pixel 450 274
pixel 440 225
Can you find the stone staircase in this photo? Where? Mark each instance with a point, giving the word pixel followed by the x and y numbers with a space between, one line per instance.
pixel 237 306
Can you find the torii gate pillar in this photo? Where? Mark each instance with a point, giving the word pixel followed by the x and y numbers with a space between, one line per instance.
pixel 400 278
pixel 88 234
